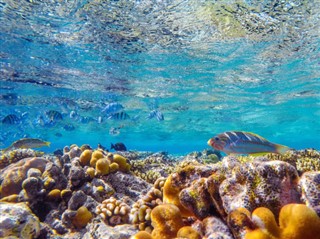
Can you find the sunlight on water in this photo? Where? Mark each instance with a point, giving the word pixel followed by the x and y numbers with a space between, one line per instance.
pixel 206 66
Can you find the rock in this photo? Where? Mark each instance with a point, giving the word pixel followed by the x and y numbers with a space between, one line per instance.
pixel 18 221
pixel 128 185
pixel 310 186
pixel 98 229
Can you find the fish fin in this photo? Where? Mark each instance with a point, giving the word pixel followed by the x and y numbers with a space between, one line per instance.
pixel 47 143
pixel 281 149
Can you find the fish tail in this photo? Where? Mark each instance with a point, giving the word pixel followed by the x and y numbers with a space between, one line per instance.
pixel 112 146
pixel 281 149
pixel 47 143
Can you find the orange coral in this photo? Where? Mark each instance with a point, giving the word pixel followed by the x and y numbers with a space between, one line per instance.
pixel 296 221
pixel 82 217
pixel 171 195
pixel 122 162
pixel 142 235
pixel 85 157
pixel 166 220
pixel 188 232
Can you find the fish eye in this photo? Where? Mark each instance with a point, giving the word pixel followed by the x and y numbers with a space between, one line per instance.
pixel 216 138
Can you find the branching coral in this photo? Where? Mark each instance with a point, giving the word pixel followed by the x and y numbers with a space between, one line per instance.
pixel 113 211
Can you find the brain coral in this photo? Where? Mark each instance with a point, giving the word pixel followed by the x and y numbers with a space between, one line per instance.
pixel 296 221
pixel 166 220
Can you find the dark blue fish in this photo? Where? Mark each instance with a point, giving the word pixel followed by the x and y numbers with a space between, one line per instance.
pixel 11 119
pixel 119 147
pixel 54 115
pixel 156 114
pixel 119 116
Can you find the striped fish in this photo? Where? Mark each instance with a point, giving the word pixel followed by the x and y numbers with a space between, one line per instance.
pixel 11 119
pixel 119 116
pixel 237 142
pixel 54 115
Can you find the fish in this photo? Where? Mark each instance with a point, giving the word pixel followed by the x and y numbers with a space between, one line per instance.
pixel 112 108
pixel 239 142
pixel 156 114
pixel 11 119
pixel 54 115
pixel 119 116
pixel 114 130
pixel 26 143
pixel 118 146
pixel 69 127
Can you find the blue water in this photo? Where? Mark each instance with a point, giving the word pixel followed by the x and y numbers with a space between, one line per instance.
pixel 207 66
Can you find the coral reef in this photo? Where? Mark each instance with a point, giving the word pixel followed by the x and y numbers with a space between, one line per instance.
pixel 87 192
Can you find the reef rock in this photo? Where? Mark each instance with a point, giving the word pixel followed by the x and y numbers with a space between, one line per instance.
pixel 127 185
pixel 310 186
pixel 17 221
pixel 98 229
pixel 15 174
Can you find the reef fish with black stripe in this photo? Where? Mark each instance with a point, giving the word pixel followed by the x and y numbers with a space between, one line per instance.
pixel 238 142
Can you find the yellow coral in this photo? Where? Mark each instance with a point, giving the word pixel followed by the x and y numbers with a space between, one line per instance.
pixel 122 162
pixel 296 221
pixel 96 155
pixel 85 157
pixel 102 166
pixel 113 167
pixel 82 217
pixel 171 195
pixel 166 220
pixel 91 172
pixel 142 235
pixel 188 233
pixel 54 195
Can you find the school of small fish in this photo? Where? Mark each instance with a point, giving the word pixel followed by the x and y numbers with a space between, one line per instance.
pixel 66 119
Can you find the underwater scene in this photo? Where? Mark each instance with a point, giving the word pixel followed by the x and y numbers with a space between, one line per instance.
pixel 160 119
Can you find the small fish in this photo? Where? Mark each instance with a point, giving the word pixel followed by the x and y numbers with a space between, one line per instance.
pixel 119 116
pixel 112 108
pixel 54 115
pixel 237 142
pixel 156 114
pixel 11 119
pixel 26 143
pixel 114 130
pixel 69 127
pixel 119 147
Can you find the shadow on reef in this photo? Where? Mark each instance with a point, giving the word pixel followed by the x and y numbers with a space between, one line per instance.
pixel 87 193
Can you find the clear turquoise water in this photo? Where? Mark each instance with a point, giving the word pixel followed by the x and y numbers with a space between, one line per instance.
pixel 207 66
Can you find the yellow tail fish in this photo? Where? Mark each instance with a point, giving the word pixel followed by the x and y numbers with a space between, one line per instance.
pixel 238 142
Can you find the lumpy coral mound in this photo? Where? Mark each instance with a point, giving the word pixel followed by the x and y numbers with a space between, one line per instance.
pixel 94 193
